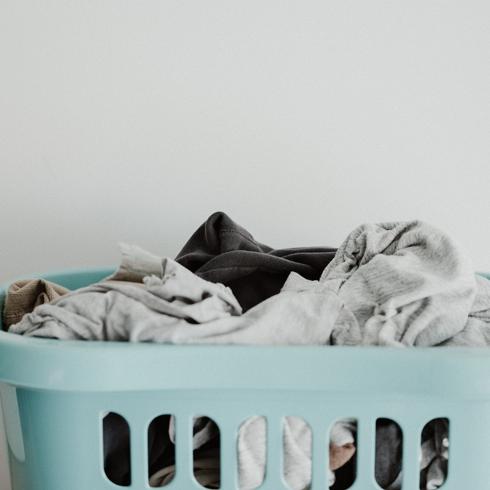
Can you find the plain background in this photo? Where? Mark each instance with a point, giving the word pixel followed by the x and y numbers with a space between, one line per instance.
pixel 133 121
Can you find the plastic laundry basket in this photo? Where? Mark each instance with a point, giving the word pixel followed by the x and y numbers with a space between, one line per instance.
pixel 54 395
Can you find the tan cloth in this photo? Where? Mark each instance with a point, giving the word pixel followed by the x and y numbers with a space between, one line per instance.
pixel 24 295
pixel 341 455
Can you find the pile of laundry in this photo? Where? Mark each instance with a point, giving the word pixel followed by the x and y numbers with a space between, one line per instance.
pixel 390 284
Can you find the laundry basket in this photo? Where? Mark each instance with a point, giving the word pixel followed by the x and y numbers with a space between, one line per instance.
pixel 54 395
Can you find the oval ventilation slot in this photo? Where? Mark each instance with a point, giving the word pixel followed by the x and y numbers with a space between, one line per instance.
pixel 389 453
pixel 434 459
pixel 343 454
pixel 161 451
pixel 116 443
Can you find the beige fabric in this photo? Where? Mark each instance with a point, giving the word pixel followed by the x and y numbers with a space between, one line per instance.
pixel 24 295
pixel 341 455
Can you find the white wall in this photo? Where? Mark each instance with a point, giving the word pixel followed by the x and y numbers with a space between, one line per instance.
pixel 127 120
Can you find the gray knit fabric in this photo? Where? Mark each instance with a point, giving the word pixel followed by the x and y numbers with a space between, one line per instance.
pixel 406 283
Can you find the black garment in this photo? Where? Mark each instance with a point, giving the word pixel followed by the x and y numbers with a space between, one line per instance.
pixel 222 251
pixel 389 452
pixel 345 476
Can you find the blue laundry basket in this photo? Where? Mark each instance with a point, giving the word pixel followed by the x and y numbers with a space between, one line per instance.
pixel 54 395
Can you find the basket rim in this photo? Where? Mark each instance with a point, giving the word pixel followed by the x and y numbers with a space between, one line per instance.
pixel 48 364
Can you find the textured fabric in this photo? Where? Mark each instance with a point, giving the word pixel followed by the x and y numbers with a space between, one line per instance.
pixel 388 452
pixel 179 307
pixel 476 332
pixel 222 251
pixel 435 453
pixel 252 452
pixel 297 451
pixel 407 284
pixel 24 295
pixel 121 310
pixel 390 284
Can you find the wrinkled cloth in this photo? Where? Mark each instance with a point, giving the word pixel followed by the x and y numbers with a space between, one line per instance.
pixel 476 332
pixel 433 459
pixel 297 451
pixel 173 305
pixel 388 453
pixel 435 454
pixel 206 454
pixel 222 251
pixel 120 309
pixel 407 284
pixel 161 450
pixel 252 453
pixel 24 295
pixel 399 284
